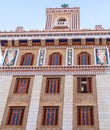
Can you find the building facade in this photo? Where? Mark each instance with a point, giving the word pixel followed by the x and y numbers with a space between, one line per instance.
pixel 57 78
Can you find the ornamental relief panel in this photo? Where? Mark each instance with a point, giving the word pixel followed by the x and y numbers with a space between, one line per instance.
pixel 69 56
pixel 41 57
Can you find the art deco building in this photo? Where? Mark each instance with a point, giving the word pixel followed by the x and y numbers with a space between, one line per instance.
pixel 57 78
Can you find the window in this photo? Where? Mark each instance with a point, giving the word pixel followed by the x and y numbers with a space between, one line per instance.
pixel 84 59
pixel 27 59
pixel 76 41
pixel 90 41
pixel 52 85
pixel 85 116
pixel 63 41
pixel 84 84
pixel 55 59
pixel 50 116
pixel 16 115
pixel 22 85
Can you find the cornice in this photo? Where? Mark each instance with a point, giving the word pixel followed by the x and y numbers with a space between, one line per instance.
pixel 52 31
pixel 54 35
pixel 56 70
pixel 59 47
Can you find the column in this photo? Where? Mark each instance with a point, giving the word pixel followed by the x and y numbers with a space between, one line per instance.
pixel 34 104
pixel 5 84
pixel 68 103
pixel 103 98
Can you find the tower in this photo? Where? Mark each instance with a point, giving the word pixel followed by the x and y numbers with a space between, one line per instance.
pixel 63 18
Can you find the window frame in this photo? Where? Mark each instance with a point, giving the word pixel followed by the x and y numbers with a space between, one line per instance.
pixel 23 59
pixel 84 59
pixel 11 120
pixel 52 89
pixel 52 58
pixel 21 81
pixel 46 115
pixel 83 115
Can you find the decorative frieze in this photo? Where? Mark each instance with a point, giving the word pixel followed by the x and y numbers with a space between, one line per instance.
pixel 55 47
pixel 56 70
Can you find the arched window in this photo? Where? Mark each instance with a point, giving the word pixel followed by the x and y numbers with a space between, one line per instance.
pixel 84 59
pixel 55 59
pixel 27 59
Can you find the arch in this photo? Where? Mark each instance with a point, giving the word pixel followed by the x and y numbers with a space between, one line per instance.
pixel 55 59
pixel 61 19
pixel 84 58
pixel 27 59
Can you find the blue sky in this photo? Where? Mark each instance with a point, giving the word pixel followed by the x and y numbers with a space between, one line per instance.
pixel 31 13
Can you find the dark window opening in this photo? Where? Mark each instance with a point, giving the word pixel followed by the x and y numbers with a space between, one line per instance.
pixel 84 84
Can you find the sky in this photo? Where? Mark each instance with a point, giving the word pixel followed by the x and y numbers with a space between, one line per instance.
pixel 31 13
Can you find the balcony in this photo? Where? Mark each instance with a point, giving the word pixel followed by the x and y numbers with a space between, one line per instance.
pixel 61 25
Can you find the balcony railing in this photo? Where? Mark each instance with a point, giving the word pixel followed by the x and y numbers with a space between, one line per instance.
pixel 60 24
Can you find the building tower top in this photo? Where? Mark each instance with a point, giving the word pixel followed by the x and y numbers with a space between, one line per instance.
pixel 63 18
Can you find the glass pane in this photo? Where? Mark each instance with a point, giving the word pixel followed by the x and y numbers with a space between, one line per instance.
pixel 17 117
pixel 52 122
pixel 87 116
pixel 84 59
pixel 54 86
pixel 83 117
pixel 48 117
pixel 51 82
pixel 14 117
pixel 56 59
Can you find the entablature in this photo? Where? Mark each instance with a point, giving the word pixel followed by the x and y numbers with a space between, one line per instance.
pixel 56 70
